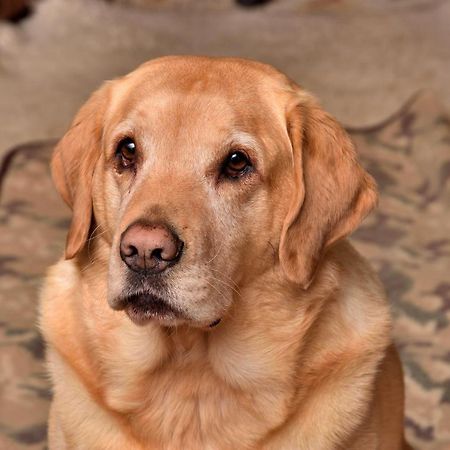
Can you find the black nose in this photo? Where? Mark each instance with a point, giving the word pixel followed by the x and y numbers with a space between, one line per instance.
pixel 150 248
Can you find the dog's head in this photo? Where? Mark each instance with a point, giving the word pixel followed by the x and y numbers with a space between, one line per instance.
pixel 197 175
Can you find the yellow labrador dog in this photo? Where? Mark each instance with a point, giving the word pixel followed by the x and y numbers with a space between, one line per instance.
pixel 208 298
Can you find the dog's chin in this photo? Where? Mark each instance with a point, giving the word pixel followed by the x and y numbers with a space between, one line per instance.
pixel 158 311
pixel 144 308
pixel 143 318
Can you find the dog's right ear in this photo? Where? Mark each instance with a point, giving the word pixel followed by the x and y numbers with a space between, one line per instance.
pixel 73 164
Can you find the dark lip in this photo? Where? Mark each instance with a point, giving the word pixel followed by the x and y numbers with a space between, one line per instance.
pixel 141 308
pixel 215 323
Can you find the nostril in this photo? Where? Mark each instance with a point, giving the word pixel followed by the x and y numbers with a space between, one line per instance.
pixel 130 250
pixel 157 254
pixel 171 252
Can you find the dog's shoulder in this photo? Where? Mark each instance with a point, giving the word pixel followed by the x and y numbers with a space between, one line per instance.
pixel 362 297
pixel 62 281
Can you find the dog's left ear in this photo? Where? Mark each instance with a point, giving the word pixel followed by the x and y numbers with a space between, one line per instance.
pixel 333 193
pixel 73 165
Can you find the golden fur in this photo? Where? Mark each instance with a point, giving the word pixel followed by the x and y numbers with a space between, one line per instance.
pixel 303 356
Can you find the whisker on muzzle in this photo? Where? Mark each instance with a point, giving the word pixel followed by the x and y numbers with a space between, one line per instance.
pixel 226 277
pixel 216 255
pixel 235 289
pixel 216 289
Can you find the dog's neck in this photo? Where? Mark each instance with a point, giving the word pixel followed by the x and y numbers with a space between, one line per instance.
pixel 281 313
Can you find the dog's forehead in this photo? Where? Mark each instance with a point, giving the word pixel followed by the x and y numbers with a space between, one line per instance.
pixel 190 72
pixel 214 88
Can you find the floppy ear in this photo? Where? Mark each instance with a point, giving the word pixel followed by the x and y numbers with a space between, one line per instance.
pixel 333 193
pixel 73 164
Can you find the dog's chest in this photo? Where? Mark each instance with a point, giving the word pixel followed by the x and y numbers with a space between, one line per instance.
pixel 199 399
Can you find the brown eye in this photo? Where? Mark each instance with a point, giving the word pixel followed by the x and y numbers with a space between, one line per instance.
pixel 126 152
pixel 236 164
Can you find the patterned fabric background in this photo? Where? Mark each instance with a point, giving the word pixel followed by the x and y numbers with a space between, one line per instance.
pixel 407 239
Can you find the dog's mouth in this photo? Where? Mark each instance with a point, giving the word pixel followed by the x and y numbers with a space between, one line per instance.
pixel 141 308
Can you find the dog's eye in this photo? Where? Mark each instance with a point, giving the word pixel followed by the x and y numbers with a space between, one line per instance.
pixel 126 152
pixel 236 164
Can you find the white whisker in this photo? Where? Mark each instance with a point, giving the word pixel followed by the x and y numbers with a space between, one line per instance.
pixel 216 255
pixel 227 284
